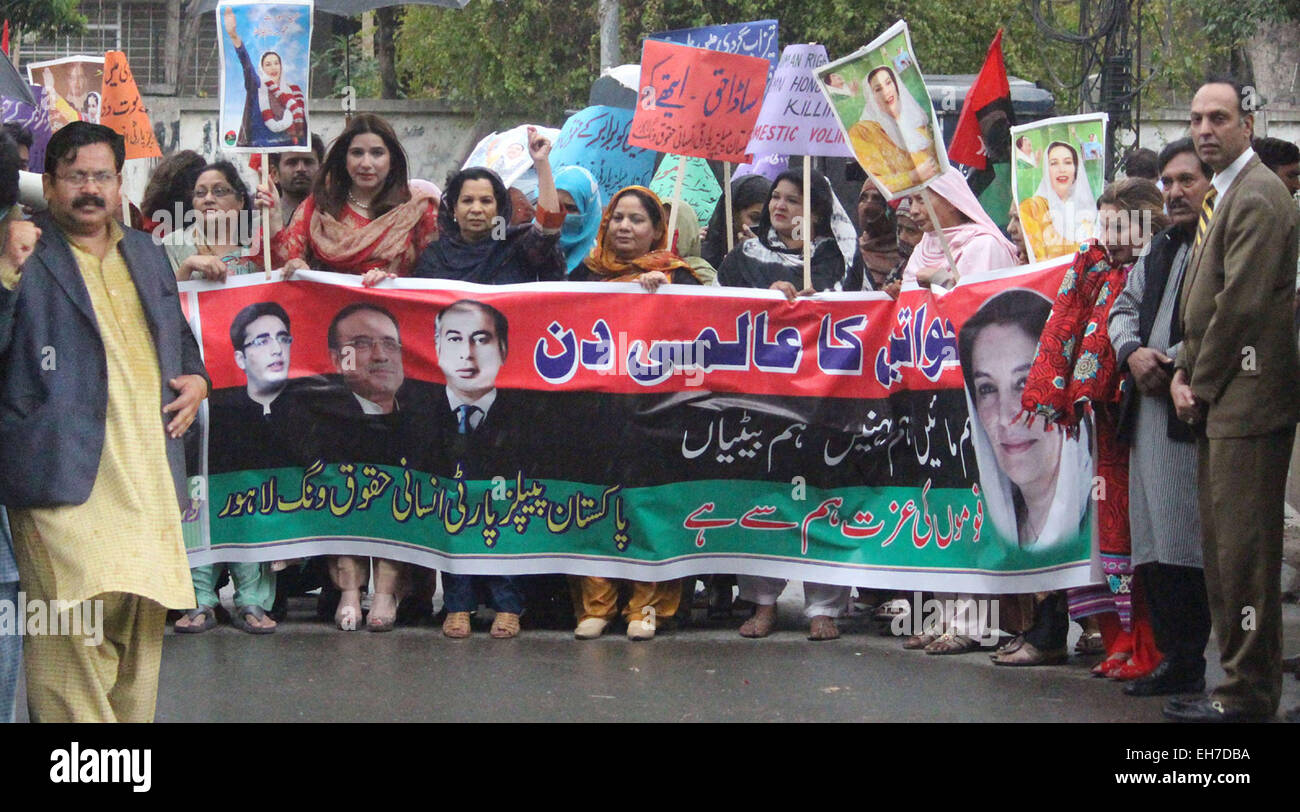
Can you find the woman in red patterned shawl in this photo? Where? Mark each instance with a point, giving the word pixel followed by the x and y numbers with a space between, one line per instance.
pixel 1074 374
pixel 363 215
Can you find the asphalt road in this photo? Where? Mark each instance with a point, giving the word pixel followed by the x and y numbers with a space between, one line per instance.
pixel 309 672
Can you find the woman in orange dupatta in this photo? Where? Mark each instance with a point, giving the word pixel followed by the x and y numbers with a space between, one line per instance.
pixel 363 217
pixel 631 246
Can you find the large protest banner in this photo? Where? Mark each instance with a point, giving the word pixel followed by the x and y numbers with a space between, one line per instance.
pixel 595 138
pixel 1057 174
pixel 123 110
pixel 697 102
pixel 597 429
pixel 757 38
pixel 796 119
pixel 265 50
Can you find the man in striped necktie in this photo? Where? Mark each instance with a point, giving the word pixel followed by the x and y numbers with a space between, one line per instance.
pixel 471 341
pixel 1237 380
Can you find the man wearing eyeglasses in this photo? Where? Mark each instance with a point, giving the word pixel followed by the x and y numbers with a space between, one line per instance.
pixel 245 438
pixel 379 416
pixel 100 379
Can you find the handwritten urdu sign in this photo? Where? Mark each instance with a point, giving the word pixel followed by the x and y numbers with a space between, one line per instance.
pixel 697 102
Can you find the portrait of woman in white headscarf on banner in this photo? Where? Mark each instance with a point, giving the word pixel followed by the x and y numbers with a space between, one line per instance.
pixel 263 89
pixel 1035 481
pixel 1061 212
pixel 881 102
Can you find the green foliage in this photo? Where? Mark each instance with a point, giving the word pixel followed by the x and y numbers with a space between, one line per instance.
pixel 44 18
pixel 532 59
pixel 335 59
pixel 527 59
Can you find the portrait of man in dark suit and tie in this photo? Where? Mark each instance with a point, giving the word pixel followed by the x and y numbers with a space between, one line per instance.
pixel 472 340
pixel 369 412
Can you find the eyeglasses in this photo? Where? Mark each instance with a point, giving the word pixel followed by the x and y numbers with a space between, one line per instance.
pixel 79 178
pixel 366 344
pixel 266 338
pixel 219 192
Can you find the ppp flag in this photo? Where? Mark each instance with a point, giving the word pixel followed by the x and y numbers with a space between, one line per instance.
pixel 986 115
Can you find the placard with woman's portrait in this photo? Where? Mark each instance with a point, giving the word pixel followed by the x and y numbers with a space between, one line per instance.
pixel 265 53
pixel 883 107
pixel 1057 175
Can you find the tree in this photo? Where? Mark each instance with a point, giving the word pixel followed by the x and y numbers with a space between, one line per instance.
pixel 44 18
pixel 534 59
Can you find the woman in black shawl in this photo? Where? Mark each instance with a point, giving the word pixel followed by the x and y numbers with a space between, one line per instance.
pixel 773 258
pixel 476 242
pixel 748 199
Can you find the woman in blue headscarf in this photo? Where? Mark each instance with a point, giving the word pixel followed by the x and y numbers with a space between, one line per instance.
pixel 580 198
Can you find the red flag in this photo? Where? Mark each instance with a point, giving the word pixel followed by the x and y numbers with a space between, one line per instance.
pixel 4 39
pixel 990 90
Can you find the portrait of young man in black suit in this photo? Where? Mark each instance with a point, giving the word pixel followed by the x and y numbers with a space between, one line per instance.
pixel 246 432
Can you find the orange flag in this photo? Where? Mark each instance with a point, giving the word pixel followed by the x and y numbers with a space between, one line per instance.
pixel 122 109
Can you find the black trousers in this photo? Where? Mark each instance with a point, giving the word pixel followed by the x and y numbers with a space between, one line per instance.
pixel 1051 623
pixel 1180 614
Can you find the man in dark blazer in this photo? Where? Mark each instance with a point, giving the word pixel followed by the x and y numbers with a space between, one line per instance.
pixel 100 378
pixel 1237 376
pixel 472 339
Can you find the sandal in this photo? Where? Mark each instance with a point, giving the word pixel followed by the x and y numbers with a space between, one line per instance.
pixel 919 641
pixel 760 624
pixel 823 628
pixel 377 622
pixel 1090 643
pixel 952 644
pixel 505 625
pixel 1117 660
pixel 890 609
pixel 1010 647
pixel 208 614
pixel 240 619
pixel 1027 654
pixel 347 613
pixel 456 625
pixel 1128 671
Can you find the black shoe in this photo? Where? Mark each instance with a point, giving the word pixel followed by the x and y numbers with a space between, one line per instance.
pixel 327 603
pixel 1166 680
pixel 1204 709
pixel 279 609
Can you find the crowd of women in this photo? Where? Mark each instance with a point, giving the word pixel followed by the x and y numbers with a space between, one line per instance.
pixel 365 215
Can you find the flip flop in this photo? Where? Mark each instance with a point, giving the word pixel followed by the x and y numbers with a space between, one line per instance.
pixel 208 614
pixel 239 621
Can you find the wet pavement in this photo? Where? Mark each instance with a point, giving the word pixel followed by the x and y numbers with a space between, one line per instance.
pixel 308 671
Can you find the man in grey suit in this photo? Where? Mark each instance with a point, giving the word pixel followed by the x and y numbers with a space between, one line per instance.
pixel 1237 376
pixel 100 378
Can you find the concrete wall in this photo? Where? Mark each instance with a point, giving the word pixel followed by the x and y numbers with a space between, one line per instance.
pixel 1159 127
pixel 436 136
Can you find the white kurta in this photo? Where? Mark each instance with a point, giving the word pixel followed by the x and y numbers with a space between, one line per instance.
pixel 1164 519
